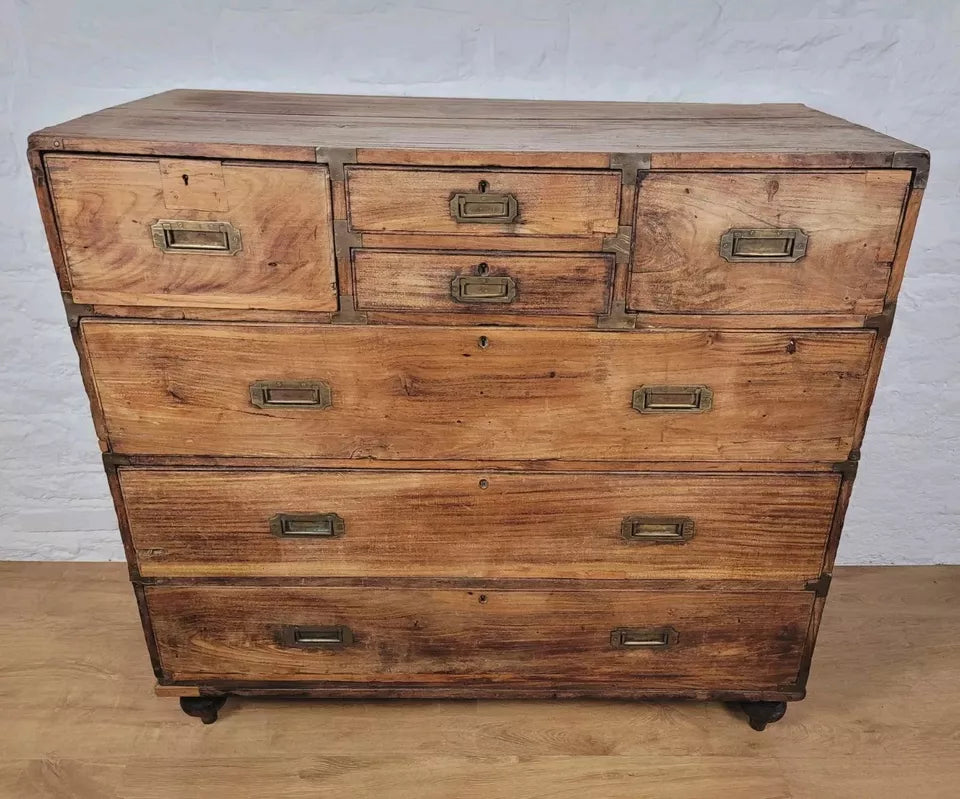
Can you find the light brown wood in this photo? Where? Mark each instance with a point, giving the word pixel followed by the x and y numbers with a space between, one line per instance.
pixel 550 202
pixel 217 523
pixel 733 641
pixel 449 393
pixel 851 218
pixel 105 207
pixel 290 127
pixel 432 241
pixel 421 281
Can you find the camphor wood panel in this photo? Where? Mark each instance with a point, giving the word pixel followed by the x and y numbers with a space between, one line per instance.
pixel 852 219
pixel 421 281
pixel 748 641
pixel 550 202
pixel 476 393
pixel 105 207
pixel 197 523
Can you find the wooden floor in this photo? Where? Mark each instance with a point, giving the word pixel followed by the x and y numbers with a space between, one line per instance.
pixel 78 717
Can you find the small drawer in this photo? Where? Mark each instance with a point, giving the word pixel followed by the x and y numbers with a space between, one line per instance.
pixel 364 523
pixel 483 202
pixel 482 283
pixel 658 640
pixel 765 242
pixel 184 232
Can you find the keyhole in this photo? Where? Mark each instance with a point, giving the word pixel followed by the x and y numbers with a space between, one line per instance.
pixel 186 179
pixel 483 186
pixel 483 342
pixel 482 269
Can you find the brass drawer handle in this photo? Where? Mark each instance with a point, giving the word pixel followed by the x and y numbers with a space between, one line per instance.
pixel 672 399
pixel 655 638
pixel 484 207
pixel 307 525
pixel 657 529
pixel 333 637
pixel 290 394
pixel 468 288
pixel 782 245
pixel 192 236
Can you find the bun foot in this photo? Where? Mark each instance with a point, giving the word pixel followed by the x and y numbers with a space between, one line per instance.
pixel 760 714
pixel 204 708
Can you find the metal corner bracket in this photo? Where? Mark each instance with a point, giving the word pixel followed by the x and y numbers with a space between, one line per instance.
pixel 336 158
pixel 619 243
pixel 847 468
pixel 631 165
pixel 820 586
pixel 75 311
pixel 883 321
pixel 918 161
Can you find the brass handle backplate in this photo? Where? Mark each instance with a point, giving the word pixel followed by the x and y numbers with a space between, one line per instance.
pixel 653 638
pixel 467 288
pixel 484 207
pixel 672 399
pixel 307 525
pixel 290 394
pixel 783 245
pixel 192 236
pixel 657 529
pixel 333 637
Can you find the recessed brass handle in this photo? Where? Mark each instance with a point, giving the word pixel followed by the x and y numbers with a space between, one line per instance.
pixel 657 529
pixel 468 288
pixel 783 245
pixel 653 638
pixel 307 525
pixel 333 637
pixel 484 207
pixel 672 399
pixel 193 236
pixel 290 394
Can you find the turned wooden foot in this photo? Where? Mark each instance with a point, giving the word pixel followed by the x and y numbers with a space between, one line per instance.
pixel 204 708
pixel 761 714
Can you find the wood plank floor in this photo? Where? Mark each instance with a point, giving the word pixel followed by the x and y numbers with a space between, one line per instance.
pixel 78 717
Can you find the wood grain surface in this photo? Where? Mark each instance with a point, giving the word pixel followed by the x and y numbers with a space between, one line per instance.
pixel 474 393
pixel 105 207
pixel 195 523
pixel 852 220
pixel 550 202
pixel 421 281
pixel 81 721
pixel 729 640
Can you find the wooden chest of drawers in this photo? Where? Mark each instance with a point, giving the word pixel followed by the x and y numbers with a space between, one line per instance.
pixel 407 397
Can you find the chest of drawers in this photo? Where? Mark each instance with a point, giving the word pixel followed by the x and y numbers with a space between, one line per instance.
pixel 403 397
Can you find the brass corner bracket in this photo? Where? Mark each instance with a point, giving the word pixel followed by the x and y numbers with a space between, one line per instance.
pixel 883 321
pixel 918 161
pixel 631 166
pixel 336 158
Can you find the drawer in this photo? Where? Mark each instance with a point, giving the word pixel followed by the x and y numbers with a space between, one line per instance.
pixel 766 242
pixel 483 283
pixel 417 392
pixel 159 231
pixel 194 523
pixel 486 202
pixel 710 640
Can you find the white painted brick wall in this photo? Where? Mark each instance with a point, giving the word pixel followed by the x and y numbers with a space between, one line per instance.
pixel 893 65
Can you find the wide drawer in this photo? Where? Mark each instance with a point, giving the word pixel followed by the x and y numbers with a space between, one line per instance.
pixel 483 202
pixel 766 242
pixel 173 231
pixel 486 283
pixel 710 640
pixel 476 393
pixel 190 522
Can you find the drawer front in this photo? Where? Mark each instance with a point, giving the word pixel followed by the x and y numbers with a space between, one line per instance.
pixel 484 393
pixel 710 640
pixel 485 283
pixel 192 523
pixel 198 233
pixel 766 242
pixel 483 202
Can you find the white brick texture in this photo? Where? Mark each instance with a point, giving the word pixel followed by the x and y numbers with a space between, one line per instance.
pixel 893 65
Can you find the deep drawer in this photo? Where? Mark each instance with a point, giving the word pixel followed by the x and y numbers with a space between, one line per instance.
pixel 476 393
pixel 710 640
pixel 487 283
pixel 766 242
pixel 173 231
pixel 483 202
pixel 195 523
